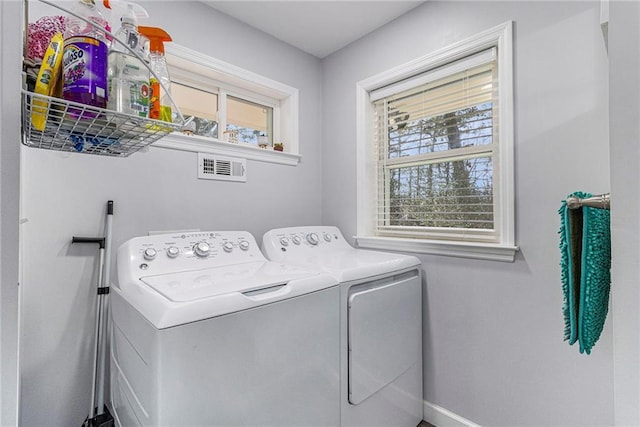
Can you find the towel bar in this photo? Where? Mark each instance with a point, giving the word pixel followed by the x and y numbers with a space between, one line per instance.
pixel 602 201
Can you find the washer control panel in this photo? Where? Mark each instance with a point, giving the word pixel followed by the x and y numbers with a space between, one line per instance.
pixel 302 241
pixel 173 252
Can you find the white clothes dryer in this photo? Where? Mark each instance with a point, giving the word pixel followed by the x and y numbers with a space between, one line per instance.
pixel 207 332
pixel 380 321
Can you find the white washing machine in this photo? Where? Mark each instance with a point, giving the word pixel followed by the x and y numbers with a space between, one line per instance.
pixel 207 332
pixel 381 322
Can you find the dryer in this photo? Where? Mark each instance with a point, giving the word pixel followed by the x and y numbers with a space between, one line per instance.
pixel 380 322
pixel 206 331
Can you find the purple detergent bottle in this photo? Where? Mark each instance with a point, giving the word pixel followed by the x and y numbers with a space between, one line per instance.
pixel 85 59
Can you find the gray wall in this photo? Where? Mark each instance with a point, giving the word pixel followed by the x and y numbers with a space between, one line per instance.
pixel 64 195
pixel 493 348
pixel 10 28
pixel 624 86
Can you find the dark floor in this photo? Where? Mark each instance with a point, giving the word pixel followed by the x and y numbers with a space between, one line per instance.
pixel 425 424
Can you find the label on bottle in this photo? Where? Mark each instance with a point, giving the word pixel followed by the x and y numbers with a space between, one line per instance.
pixel 84 67
pixel 157 110
pixel 139 96
pixel 138 87
pixel 154 101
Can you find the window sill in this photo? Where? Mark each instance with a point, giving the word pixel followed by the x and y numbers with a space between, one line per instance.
pixel 201 144
pixel 484 251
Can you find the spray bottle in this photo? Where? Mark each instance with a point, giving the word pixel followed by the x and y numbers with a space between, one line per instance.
pixel 128 76
pixel 160 103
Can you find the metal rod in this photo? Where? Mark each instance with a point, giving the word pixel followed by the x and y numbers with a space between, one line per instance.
pixel 104 325
pixel 96 347
pixel 25 30
pixel 602 201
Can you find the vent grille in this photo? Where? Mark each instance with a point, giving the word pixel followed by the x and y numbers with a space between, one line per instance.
pixel 208 166
pixel 222 168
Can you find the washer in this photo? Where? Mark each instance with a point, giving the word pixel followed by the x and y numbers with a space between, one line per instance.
pixel 207 332
pixel 381 322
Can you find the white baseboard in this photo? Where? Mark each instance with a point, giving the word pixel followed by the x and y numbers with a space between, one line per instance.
pixel 441 417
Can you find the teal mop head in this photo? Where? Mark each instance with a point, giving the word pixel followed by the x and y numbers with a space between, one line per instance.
pixel 585 248
pixel 571 256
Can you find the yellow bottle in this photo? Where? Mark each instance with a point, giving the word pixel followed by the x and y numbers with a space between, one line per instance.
pixel 47 82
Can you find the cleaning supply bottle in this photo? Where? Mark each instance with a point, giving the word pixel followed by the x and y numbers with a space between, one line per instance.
pixel 85 59
pixel 48 81
pixel 128 75
pixel 160 103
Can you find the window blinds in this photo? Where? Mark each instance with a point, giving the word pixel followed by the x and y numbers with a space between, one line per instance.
pixel 436 141
pixel 248 115
pixel 195 102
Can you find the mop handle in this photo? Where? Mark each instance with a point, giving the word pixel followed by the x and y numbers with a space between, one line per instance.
pixel 104 321
pixel 107 244
pixel 100 241
pixel 96 347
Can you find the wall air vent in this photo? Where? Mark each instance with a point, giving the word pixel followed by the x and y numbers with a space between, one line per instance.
pixel 222 168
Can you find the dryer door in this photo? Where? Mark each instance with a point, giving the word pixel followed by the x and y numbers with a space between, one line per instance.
pixel 385 332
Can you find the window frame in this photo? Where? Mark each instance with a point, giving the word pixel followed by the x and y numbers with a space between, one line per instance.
pixel 504 249
pixel 193 68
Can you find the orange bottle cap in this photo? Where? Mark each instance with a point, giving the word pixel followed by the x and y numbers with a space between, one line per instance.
pixel 157 37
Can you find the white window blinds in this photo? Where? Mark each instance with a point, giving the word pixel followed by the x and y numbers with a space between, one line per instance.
pixel 195 102
pixel 436 141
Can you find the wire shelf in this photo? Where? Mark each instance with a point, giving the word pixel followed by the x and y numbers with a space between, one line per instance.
pixel 80 128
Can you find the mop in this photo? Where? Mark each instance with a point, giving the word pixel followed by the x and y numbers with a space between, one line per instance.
pixel 585 247
pixel 99 415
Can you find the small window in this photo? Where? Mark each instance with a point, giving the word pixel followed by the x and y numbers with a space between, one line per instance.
pixel 227 104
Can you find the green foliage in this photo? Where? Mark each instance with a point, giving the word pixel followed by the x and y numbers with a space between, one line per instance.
pixel 453 193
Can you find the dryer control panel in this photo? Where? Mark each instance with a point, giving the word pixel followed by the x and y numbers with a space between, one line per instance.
pixel 175 252
pixel 285 242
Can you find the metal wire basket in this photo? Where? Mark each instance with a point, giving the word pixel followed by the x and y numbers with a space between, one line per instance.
pixel 57 124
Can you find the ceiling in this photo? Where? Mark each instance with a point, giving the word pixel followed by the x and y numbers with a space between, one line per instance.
pixel 317 27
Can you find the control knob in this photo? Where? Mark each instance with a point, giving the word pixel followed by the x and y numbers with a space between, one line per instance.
pixel 327 237
pixel 313 238
pixel 284 241
pixel 150 254
pixel 202 249
pixel 227 246
pixel 244 245
pixel 296 240
pixel 173 252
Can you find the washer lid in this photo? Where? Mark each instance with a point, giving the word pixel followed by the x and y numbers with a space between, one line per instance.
pixel 356 264
pixel 173 299
pixel 210 282
pixel 324 248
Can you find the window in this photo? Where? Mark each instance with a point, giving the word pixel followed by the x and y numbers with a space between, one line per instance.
pixel 436 148
pixel 438 153
pixel 199 104
pixel 246 119
pixel 235 112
